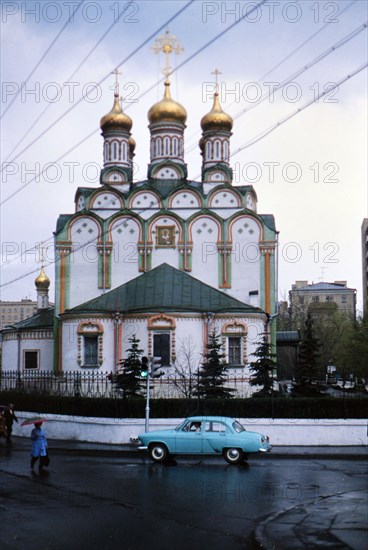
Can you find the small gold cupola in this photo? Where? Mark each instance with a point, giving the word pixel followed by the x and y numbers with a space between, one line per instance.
pixel 216 119
pixel 42 282
pixel 215 142
pixel 116 119
pixel 116 126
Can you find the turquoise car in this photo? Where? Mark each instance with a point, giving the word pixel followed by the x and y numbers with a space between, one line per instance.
pixel 205 435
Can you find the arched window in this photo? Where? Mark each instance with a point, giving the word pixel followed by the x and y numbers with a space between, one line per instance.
pixel 115 150
pixel 158 147
pixel 106 151
pixel 124 154
pixel 208 150
pixel 166 144
pixel 217 149
pixel 175 147
pixel 226 150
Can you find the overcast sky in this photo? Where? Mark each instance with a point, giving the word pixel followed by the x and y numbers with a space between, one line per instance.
pixel 310 172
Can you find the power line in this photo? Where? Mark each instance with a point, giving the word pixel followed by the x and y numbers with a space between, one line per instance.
pixel 300 71
pixel 102 38
pixel 265 133
pixel 103 79
pixel 316 60
pixel 43 57
pixel 307 104
pixel 290 78
pixel 210 42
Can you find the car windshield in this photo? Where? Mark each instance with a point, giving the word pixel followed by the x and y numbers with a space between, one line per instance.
pixel 180 427
pixel 238 427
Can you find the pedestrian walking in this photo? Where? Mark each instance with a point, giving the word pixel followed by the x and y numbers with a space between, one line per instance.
pixel 39 447
pixel 2 422
pixel 10 416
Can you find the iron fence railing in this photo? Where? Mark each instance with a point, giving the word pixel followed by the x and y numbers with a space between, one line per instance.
pixel 90 383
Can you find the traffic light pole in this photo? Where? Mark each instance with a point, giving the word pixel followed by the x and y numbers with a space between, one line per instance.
pixel 146 426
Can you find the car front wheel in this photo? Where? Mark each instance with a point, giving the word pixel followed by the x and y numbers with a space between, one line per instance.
pixel 233 456
pixel 158 452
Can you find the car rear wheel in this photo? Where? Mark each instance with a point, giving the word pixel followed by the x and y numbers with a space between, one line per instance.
pixel 233 456
pixel 158 452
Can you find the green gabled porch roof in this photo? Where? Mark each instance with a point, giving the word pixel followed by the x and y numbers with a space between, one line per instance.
pixel 164 288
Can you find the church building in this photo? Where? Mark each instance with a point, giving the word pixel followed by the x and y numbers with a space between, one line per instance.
pixel 167 259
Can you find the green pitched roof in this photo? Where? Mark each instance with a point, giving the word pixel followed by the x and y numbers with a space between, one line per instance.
pixel 164 288
pixel 42 319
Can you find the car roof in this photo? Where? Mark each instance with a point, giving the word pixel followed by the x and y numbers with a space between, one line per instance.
pixel 210 418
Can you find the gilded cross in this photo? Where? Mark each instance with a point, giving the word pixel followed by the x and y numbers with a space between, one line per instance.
pixel 167 44
pixel 116 72
pixel 216 72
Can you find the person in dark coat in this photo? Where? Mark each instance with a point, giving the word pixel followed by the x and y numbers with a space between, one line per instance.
pixel 10 416
pixel 39 447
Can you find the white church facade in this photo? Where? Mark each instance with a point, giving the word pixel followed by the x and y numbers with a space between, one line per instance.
pixel 167 259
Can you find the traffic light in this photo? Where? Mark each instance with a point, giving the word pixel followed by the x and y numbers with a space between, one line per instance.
pixel 144 367
pixel 155 366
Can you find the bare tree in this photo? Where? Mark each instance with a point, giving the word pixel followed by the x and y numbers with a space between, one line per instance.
pixel 186 365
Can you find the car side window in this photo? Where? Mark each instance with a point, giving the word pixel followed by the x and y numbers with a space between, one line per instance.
pixel 192 427
pixel 216 427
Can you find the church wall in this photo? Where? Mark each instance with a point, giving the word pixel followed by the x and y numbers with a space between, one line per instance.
pixel 82 283
pixel 124 234
pixel 205 232
pixel 244 234
pixel 44 346
pixel 188 332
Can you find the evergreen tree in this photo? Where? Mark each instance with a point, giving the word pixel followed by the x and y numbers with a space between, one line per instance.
pixel 306 371
pixel 212 375
pixel 129 376
pixel 262 368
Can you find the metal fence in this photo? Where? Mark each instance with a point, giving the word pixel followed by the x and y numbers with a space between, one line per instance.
pixel 90 383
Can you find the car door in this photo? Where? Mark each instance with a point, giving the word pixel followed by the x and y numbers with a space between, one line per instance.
pixel 189 440
pixel 214 436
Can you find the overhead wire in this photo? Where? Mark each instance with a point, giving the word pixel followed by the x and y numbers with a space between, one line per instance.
pixel 280 85
pixel 86 57
pixel 210 42
pixel 137 49
pixel 47 51
pixel 265 133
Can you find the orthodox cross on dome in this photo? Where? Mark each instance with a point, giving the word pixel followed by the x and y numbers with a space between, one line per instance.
pixel 41 253
pixel 167 44
pixel 116 72
pixel 216 72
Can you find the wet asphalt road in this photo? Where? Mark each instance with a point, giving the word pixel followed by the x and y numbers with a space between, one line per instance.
pixel 111 502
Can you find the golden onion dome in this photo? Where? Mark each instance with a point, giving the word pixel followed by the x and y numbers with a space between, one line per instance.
pixel 42 282
pixel 216 118
pixel 116 118
pixel 167 109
